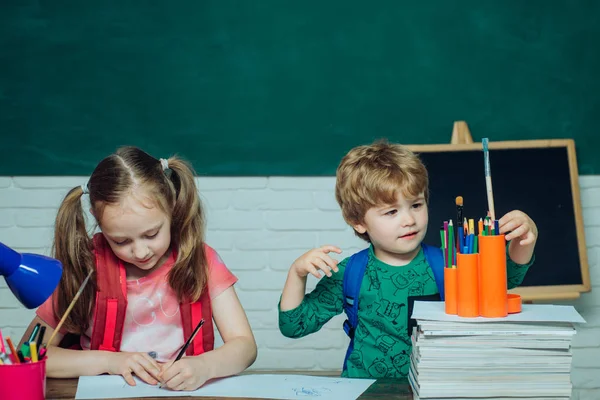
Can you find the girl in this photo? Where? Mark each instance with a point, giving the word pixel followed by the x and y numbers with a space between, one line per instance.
pixel 154 279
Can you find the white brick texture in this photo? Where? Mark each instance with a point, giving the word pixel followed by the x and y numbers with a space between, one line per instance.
pixel 259 226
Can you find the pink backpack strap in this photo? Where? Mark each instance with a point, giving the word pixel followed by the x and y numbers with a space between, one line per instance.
pixel 191 314
pixel 111 298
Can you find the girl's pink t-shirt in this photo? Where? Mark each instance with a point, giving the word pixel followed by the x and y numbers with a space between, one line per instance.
pixel 153 319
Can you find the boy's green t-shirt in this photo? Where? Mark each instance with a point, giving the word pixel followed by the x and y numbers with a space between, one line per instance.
pixel 382 343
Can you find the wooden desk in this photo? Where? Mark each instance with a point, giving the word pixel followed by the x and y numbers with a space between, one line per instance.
pixel 58 389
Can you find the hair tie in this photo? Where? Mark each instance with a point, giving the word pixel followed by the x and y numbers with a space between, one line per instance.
pixel 165 164
pixel 84 188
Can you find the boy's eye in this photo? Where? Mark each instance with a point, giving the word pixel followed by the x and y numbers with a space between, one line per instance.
pixel 417 205
pixel 391 212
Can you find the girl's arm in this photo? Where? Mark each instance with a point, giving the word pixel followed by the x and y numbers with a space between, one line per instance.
pixel 65 363
pixel 237 353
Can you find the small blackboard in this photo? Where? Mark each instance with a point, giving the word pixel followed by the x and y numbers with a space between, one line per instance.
pixel 538 177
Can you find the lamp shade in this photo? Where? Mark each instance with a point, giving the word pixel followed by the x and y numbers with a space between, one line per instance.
pixel 31 277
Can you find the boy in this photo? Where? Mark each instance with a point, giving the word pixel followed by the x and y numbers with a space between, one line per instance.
pixel 382 190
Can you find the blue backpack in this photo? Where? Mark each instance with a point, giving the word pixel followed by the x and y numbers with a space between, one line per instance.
pixel 353 276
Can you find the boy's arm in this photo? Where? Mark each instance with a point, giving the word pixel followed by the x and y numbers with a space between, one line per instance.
pixel 302 315
pixel 521 234
pixel 516 272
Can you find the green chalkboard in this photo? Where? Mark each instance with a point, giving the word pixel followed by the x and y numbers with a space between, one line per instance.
pixel 272 87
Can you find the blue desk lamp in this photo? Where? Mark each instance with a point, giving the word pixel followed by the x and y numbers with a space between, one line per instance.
pixel 31 277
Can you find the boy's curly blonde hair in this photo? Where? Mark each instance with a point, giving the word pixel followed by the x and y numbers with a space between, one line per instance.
pixel 372 175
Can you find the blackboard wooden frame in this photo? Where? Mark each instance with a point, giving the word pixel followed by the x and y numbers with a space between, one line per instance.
pixel 539 293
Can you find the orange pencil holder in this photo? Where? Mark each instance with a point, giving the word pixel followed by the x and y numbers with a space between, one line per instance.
pixel 450 290
pixel 468 285
pixel 493 290
pixel 23 381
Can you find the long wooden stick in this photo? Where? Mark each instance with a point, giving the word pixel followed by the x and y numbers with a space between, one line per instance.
pixel 66 314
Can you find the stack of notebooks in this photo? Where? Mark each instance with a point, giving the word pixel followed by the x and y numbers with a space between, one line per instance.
pixel 522 356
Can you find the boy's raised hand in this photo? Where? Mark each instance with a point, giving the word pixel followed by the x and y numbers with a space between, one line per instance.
pixel 316 259
pixel 520 227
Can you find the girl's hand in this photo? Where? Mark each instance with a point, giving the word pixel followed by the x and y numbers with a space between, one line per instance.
pixel 140 364
pixel 520 227
pixel 315 260
pixel 189 373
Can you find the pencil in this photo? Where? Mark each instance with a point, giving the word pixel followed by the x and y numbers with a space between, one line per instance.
pixel 33 350
pixel 189 341
pixel 13 351
pixel 488 178
pixel 66 314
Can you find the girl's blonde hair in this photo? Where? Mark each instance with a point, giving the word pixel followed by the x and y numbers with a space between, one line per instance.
pixel 115 177
pixel 373 175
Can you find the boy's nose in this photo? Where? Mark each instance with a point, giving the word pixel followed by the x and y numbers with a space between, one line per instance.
pixel 407 220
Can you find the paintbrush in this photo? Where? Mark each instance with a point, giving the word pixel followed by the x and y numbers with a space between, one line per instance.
pixel 66 314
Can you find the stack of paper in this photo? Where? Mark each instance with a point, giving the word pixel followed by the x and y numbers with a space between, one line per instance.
pixel 522 356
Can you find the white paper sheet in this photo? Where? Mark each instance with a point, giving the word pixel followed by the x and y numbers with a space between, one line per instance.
pixel 268 386
pixel 434 311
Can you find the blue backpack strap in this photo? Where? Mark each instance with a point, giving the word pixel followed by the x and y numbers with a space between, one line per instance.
pixel 353 276
pixel 435 259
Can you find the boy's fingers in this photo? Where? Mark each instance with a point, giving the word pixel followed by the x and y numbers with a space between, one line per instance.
pixel 314 271
pixel 520 231
pixel 329 248
pixel 528 240
pixel 322 266
pixel 332 263
pixel 508 226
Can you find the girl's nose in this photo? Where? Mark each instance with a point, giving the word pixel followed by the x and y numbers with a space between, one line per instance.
pixel 140 251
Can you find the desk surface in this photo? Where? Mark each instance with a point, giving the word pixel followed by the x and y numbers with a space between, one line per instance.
pixel 382 389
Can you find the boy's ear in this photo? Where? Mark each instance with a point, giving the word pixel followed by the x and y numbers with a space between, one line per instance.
pixel 360 228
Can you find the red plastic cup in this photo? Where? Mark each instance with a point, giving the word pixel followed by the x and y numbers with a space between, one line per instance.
pixel 23 381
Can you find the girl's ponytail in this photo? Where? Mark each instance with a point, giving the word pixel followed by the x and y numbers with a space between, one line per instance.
pixel 73 247
pixel 189 275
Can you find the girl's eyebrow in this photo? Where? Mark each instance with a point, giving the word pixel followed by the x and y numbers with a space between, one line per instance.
pixel 117 237
pixel 153 229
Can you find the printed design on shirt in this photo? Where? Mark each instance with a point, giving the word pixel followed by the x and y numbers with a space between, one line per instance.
pixel 385 343
pixel 402 280
pixel 361 330
pixel 144 309
pixel 514 281
pixel 428 276
pixel 296 318
pixel 314 315
pixel 356 359
pixel 416 289
pixel 172 313
pixel 374 282
pixel 401 362
pixel 389 309
pixel 378 369
pixel 327 298
pixel 378 324
pixel 139 311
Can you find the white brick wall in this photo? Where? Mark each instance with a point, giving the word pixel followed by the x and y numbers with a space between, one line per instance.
pixel 259 226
